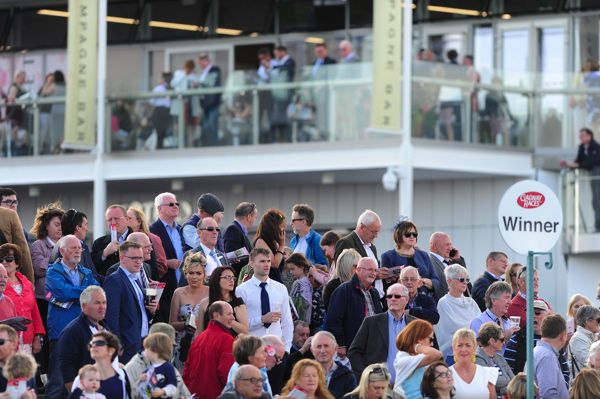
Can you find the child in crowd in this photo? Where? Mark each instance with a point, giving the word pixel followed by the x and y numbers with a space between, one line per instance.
pixel 19 369
pixel 159 380
pixel 302 290
pixel 89 382
pixel 318 307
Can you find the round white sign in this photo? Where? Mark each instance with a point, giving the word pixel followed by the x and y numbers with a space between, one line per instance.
pixel 530 217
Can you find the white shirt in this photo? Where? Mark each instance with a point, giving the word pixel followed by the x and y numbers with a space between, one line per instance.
pixel 301 246
pixel 378 283
pixel 211 264
pixel 440 258
pixel 278 298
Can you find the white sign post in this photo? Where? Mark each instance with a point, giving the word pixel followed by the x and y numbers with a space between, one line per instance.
pixel 530 220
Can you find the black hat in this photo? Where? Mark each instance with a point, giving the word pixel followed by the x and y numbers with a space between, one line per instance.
pixel 210 203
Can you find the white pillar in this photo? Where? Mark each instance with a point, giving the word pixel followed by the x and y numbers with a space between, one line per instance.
pixel 406 178
pixel 99 181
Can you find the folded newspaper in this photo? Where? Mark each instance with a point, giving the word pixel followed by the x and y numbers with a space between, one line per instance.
pixel 237 254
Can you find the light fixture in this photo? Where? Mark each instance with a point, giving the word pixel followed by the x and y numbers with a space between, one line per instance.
pixel 254 34
pixel 228 32
pixel 390 178
pixel 65 14
pixel 173 25
pixel 506 16
pixel 314 40
pixel 328 178
pixel 53 13
pixel 34 191
pixel 121 20
pixel 177 185
pixel 453 10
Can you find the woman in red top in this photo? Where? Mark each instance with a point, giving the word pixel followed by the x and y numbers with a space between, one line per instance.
pixel 20 290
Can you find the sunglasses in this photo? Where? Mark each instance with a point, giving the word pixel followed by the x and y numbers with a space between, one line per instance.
pixel 379 370
pixel 443 374
pixel 390 296
pixel 411 234
pixel 99 342
pixel 7 259
pixel 3 341
pixel 253 381
pixel 210 228
pixel 171 204
pixel 431 339
pixel 463 279
pixel 297 220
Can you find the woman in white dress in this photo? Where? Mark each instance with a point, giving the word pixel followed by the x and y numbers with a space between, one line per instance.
pixel 471 381
pixel 456 310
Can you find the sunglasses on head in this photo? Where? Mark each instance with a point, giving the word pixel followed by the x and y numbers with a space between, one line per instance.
pixel 99 342
pixel 210 228
pixel 411 234
pixel 7 259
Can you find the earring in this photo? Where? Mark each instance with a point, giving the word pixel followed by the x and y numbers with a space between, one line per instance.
pixel 473 358
pixel 454 357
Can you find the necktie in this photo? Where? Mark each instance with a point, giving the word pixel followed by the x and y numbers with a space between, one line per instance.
pixel 213 254
pixel 265 305
pixel 139 284
pixel 446 262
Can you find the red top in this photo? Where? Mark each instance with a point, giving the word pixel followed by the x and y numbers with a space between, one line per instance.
pixel 26 306
pixel 518 307
pixel 161 257
pixel 209 360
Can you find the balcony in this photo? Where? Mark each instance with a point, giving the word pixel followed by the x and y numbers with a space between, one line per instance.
pixel 580 190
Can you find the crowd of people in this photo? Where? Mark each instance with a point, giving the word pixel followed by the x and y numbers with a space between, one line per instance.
pixel 169 310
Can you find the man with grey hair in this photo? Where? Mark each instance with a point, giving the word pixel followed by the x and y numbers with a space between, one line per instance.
pixel 347 52
pixel 497 301
pixel 105 249
pixel 274 362
pixel 420 305
pixel 375 341
pixel 73 351
pixel 495 266
pixel 169 232
pixel 247 384
pixel 518 305
pixel 361 239
pixel 594 356
pixel 587 319
pixel 340 379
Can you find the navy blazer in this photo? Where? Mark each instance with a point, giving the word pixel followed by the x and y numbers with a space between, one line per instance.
pixel 234 238
pixel 123 315
pixel 480 286
pixel 169 278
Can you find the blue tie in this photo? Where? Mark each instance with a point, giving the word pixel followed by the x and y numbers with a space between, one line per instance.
pixel 265 305
pixel 213 255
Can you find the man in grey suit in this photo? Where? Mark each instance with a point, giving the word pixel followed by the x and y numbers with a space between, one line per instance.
pixel 443 253
pixel 375 341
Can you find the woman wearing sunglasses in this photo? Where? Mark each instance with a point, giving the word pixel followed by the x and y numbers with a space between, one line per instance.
pixel 406 253
pixel 20 290
pixel 104 348
pixel 491 340
pixel 415 353
pixel 437 382
pixel 221 287
pixel 455 309
pixel 471 380
pixel 374 382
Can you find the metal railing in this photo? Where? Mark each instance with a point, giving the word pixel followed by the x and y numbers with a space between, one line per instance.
pixel 581 202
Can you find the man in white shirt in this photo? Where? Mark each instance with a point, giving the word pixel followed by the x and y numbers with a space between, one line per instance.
pixel 267 300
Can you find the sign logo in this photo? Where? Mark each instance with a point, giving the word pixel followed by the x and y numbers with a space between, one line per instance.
pixel 531 199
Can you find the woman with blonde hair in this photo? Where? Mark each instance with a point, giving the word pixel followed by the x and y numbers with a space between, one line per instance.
pixel 136 221
pixel 308 378
pixel 512 272
pixel 517 387
pixel 575 303
pixel 374 382
pixel 586 385
pixel 481 380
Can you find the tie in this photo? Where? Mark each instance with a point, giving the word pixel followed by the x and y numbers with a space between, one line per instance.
pixel 265 305
pixel 446 262
pixel 213 255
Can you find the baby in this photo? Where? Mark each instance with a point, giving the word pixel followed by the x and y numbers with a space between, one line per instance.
pixel 19 369
pixel 89 382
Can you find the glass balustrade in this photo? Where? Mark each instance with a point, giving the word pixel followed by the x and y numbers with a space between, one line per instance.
pixel 322 104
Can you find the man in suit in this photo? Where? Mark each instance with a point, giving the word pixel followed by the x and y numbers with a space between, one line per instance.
pixel 144 241
pixel 169 232
pixel 208 231
pixel 105 251
pixel 209 205
pixel 12 232
pixel 375 341
pixel 443 253
pixel 209 78
pixel 495 266
pixel 420 305
pixel 321 58
pixel 361 239
pixel 351 302
pixel 128 314
pixel 236 234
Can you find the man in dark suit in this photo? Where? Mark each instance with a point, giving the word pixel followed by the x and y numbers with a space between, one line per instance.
pixel 128 315
pixel 169 232
pixel 495 266
pixel 442 253
pixel 322 58
pixel 361 239
pixel 208 231
pixel 375 341
pixel 105 250
pixel 210 78
pixel 236 234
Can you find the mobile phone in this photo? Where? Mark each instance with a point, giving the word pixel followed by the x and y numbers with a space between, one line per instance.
pixel 453 253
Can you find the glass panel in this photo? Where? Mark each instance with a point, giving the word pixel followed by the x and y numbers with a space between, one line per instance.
pixel 515 69
pixel 484 52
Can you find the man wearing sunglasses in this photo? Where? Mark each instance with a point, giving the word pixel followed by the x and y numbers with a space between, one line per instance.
pixel 375 341
pixel 208 232
pixel 209 205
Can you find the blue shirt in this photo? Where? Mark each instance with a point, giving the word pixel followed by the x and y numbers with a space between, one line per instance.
pixel 72 273
pixel 486 317
pixel 548 375
pixel 175 238
pixel 140 297
pixel 394 328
